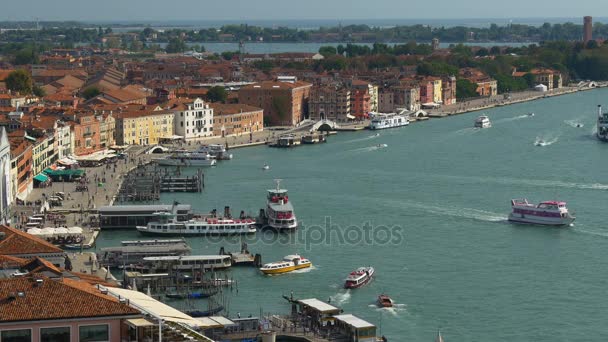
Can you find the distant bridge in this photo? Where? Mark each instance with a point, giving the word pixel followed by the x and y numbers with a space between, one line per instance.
pixel 324 125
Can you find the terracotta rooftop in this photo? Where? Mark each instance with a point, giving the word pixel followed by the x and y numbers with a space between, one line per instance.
pixel 9 261
pixel 26 299
pixel 16 242
pixel 268 85
pixel 229 109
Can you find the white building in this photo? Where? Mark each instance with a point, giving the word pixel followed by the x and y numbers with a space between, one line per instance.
pixel 193 119
pixel 5 180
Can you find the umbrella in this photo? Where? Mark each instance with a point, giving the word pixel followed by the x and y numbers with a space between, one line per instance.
pixel 34 231
pixel 61 231
pixel 75 230
pixel 47 231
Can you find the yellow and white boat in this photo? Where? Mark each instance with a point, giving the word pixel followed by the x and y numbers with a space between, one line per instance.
pixel 290 263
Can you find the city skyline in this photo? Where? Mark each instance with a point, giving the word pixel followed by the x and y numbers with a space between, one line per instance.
pixel 155 10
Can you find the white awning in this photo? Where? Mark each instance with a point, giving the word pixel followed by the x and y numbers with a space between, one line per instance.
pixel 354 321
pixel 139 323
pixel 147 304
pixel 350 116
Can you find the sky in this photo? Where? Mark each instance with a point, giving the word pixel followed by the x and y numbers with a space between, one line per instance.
pixel 170 10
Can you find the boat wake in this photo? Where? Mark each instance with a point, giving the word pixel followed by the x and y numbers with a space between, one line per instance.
pixel 373 136
pixel 574 123
pixel 370 148
pixel 468 213
pixel 340 298
pixel 305 270
pixel 542 142
pixel 393 310
pixel 519 117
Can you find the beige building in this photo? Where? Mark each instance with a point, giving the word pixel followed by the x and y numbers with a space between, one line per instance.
pixel 143 127
pixel 329 102
pixel 236 119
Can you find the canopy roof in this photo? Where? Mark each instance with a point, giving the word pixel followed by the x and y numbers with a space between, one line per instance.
pixel 354 321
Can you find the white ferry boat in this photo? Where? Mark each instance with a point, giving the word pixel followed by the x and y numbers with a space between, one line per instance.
pixel 279 213
pixel 383 121
pixel 167 224
pixel 359 277
pixel 289 263
pixel 602 125
pixel 216 150
pixel 188 262
pixel 187 159
pixel 552 213
pixel 483 122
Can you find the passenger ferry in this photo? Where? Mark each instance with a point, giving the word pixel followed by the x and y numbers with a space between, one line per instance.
pixel 546 213
pixel 359 277
pixel 383 121
pixel 167 224
pixel 289 263
pixel 483 122
pixel 279 213
pixel 166 242
pixel 602 125
pixel 188 262
pixel 216 150
pixel 187 159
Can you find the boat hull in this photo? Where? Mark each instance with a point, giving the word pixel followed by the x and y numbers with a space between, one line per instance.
pixel 348 285
pixel 538 220
pixel 375 127
pixel 186 232
pixel 603 138
pixel 286 269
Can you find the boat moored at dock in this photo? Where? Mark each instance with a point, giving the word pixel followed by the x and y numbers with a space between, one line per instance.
pixel 553 213
pixel 167 224
pixel 279 212
pixel 217 151
pixel 359 277
pixel 135 254
pixel 185 158
pixel 188 262
pixel 383 121
pixel 290 263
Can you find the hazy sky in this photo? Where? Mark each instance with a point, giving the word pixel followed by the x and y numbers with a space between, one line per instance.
pixel 291 9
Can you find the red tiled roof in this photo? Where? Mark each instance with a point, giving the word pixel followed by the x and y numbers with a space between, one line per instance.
pixel 229 109
pixel 65 299
pixel 277 85
pixel 7 260
pixel 16 242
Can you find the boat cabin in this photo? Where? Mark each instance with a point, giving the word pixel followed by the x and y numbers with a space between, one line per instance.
pixel 355 328
pixel 130 216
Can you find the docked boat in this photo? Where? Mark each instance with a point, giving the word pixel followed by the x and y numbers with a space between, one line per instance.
pixel 288 264
pixel 279 212
pixel 383 121
pixel 187 159
pixel 207 313
pixel 552 213
pixel 313 138
pixel 385 301
pixel 166 242
pixel 602 125
pixel 167 224
pixel 216 150
pixel 187 262
pixel 359 277
pixel 483 121
pixel 190 295
pixel 285 141
pixel 135 254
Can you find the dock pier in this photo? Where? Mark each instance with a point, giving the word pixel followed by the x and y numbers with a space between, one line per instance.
pixel 147 181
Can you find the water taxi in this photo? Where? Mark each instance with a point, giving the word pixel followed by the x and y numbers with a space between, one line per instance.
pixel 383 121
pixel 385 301
pixel 602 125
pixel 279 212
pixel 552 213
pixel 289 263
pixel 359 277
pixel 483 122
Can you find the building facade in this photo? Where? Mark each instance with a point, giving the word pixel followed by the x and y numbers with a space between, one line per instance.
pixel 360 105
pixel 21 168
pixel 329 102
pixel 193 119
pixel 236 119
pixel 587 29
pixel 5 174
pixel 143 127
pixel 284 103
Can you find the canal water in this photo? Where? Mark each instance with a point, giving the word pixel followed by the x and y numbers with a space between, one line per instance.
pixel 429 211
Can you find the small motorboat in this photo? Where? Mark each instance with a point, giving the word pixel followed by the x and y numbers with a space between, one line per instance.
pixel 376 135
pixel 483 121
pixel 531 114
pixel 266 167
pixel 381 145
pixel 207 313
pixel 579 125
pixel 385 301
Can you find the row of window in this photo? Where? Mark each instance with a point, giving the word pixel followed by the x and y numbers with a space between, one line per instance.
pixel 86 333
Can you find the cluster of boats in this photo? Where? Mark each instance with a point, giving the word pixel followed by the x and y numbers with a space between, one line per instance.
pixel 205 155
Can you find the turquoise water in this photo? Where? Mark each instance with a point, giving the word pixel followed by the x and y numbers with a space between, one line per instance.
pixel 457 265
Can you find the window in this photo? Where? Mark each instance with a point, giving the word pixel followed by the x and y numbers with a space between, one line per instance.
pixel 23 335
pixel 94 333
pixel 57 334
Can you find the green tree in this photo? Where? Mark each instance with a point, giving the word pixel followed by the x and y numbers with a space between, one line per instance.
pixel 327 51
pixel 217 94
pixel 90 92
pixel 19 81
pixel 227 55
pixel 264 66
pixel 39 91
pixel 175 45
pixel 25 56
pixel 465 89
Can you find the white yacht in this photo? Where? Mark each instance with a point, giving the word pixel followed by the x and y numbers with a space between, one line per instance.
pixel 216 150
pixel 383 121
pixel 602 125
pixel 552 213
pixel 279 210
pixel 483 122
pixel 187 159
pixel 167 224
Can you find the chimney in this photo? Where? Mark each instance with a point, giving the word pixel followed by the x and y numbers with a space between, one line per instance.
pixel 39 282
